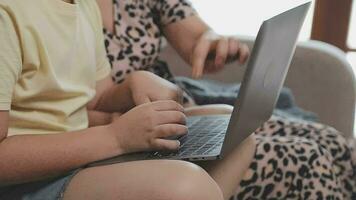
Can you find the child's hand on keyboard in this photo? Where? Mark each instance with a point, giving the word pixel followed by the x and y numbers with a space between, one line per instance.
pixel 147 127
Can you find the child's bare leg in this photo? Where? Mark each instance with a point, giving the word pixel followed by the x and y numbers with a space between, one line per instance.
pixel 154 179
pixel 229 171
pixel 150 180
pixel 164 179
pixel 213 109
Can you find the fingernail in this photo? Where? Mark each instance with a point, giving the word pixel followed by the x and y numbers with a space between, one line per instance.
pixel 178 142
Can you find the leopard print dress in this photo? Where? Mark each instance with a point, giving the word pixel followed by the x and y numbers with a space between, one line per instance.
pixel 136 41
pixel 294 159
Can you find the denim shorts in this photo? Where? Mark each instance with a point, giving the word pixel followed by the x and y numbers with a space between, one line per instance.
pixel 52 189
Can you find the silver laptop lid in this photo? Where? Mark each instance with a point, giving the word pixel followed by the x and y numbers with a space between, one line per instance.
pixel 265 74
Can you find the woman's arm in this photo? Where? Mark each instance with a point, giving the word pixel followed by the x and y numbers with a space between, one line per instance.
pixel 184 34
pixel 109 98
pixel 201 47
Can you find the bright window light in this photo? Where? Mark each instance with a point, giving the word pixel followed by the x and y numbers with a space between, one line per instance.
pixel 244 17
pixel 352 33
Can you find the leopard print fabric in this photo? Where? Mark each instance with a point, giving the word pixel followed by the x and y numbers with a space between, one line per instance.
pixel 296 159
pixel 136 41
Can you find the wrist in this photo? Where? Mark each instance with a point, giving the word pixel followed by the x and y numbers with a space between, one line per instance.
pixel 106 145
pixel 112 137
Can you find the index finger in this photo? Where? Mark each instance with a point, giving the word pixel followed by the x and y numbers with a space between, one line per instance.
pixel 200 54
pixel 244 53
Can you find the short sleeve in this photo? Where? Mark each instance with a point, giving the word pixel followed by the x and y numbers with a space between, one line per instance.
pixel 10 59
pixel 170 11
pixel 102 63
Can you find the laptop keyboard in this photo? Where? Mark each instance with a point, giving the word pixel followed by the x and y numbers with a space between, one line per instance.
pixel 205 137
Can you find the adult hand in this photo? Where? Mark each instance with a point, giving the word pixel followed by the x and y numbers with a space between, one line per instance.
pixel 146 87
pixel 147 126
pixel 212 51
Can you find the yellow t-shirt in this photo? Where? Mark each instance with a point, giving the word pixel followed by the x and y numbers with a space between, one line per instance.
pixel 51 55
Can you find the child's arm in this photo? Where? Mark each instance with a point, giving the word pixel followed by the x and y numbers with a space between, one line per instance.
pixel 33 157
pixel 205 50
pixel 27 158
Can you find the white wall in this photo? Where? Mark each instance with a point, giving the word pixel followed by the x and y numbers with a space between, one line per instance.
pixel 244 17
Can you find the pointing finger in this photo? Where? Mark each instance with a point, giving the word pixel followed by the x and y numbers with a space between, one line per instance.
pixel 200 54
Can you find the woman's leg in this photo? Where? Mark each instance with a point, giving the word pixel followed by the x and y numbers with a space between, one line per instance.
pixel 298 159
pixel 290 168
pixel 340 159
pixel 342 154
pixel 267 175
pixel 149 180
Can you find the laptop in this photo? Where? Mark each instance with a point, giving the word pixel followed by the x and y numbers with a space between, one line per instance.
pixel 211 137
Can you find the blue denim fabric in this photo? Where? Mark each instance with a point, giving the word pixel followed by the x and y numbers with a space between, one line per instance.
pixel 43 190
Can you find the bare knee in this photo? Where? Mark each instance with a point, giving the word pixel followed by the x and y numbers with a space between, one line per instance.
pixel 191 182
pixel 156 180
